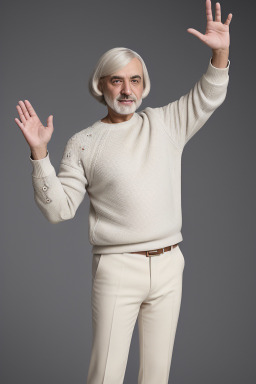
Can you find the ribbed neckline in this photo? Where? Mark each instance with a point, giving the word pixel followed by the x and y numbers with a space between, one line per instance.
pixel 118 125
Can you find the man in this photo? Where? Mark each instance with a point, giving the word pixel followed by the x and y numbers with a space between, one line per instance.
pixel 130 165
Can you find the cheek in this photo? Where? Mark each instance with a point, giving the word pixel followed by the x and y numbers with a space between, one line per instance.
pixel 138 93
pixel 113 93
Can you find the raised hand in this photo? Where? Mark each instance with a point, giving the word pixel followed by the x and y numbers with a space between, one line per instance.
pixel 36 135
pixel 217 33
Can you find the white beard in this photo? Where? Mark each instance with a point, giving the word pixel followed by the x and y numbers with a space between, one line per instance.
pixel 122 108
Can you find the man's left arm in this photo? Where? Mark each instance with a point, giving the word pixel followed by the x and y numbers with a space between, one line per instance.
pixel 184 117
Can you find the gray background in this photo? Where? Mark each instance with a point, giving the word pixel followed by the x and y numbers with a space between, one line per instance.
pixel 48 51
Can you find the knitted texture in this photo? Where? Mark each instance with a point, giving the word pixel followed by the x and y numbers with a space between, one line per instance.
pixel 130 170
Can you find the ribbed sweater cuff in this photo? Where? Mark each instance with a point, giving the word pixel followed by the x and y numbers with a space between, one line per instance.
pixel 42 167
pixel 217 75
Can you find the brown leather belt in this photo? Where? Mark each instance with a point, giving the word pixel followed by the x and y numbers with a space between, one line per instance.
pixel 156 252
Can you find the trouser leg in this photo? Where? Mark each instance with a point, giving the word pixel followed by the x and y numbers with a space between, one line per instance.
pixel 158 317
pixel 119 286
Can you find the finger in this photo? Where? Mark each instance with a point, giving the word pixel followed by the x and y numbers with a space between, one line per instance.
pixel 19 124
pixel 229 18
pixel 208 10
pixel 22 117
pixel 50 121
pixel 24 109
pixel 196 33
pixel 30 109
pixel 217 12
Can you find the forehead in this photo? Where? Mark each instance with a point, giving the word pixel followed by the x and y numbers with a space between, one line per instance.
pixel 134 67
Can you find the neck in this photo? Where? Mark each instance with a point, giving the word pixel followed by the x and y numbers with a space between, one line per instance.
pixel 114 117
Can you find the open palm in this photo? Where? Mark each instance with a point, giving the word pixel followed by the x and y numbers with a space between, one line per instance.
pixel 33 130
pixel 217 33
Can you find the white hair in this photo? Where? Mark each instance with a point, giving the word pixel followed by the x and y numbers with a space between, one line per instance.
pixel 110 62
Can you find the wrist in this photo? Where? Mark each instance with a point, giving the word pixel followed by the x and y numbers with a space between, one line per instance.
pixel 220 58
pixel 220 51
pixel 38 153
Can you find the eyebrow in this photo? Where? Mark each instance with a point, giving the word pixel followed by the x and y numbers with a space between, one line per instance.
pixel 121 77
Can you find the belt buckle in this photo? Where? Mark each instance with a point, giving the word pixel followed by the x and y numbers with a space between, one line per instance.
pixel 148 253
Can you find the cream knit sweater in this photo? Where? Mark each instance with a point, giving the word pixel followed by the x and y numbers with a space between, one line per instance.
pixel 130 170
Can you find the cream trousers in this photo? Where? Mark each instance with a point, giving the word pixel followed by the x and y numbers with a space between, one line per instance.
pixel 125 287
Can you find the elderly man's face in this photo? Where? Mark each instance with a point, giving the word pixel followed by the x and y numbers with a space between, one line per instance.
pixel 123 89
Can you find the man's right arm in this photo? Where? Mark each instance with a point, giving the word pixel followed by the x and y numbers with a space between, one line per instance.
pixel 59 196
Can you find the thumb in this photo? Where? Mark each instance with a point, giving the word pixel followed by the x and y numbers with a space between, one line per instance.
pixel 50 121
pixel 196 33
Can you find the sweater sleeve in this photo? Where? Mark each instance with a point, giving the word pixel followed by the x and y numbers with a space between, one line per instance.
pixel 59 196
pixel 184 117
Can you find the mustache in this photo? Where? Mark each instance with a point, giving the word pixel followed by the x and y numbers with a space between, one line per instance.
pixel 125 98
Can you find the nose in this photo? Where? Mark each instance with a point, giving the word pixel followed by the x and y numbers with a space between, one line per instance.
pixel 126 90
